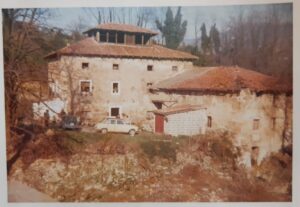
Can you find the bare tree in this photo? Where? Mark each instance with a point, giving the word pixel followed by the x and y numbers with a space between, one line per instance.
pixel 77 27
pixel 260 40
pixel 144 16
pixel 20 35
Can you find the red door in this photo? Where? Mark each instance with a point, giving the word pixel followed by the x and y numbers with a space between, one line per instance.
pixel 159 123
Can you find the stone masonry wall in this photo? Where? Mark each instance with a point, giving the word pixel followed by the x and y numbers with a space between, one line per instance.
pixel 237 112
pixel 132 76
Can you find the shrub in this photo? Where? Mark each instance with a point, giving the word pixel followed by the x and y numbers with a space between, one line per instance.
pixel 159 149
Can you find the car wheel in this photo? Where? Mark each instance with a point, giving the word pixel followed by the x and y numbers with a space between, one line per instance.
pixel 132 132
pixel 103 131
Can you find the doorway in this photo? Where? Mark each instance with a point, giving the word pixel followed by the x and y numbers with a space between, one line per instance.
pixel 159 123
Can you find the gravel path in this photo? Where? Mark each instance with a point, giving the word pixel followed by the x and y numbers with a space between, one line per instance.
pixel 20 192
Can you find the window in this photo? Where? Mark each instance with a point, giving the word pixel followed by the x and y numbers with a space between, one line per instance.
pixel 138 39
pixel 120 122
pixel 209 121
pixel 273 123
pixel 115 66
pixel 150 68
pixel 158 105
pixel 102 36
pixel 115 111
pixel 112 121
pixel 115 88
pixel 85 86
pixel 254 155
pixel 174 68
pixel 255 124
pixel 149 84
pixel 84 65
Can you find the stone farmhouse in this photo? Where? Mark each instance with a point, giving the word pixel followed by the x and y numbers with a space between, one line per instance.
pixel 118 71
pixel 110 72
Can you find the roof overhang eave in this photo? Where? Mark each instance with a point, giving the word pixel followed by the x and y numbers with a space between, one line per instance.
pixel 92 29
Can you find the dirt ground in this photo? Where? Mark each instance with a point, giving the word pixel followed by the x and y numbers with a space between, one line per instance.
pixel 86 166
pixel 20 192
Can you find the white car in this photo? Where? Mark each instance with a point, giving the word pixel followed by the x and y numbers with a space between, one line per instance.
pixel 116 125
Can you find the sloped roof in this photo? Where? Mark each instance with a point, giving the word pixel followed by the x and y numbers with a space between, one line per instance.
pixel 123 28
pixel 90 47
pixel 178 109
pixel 223 79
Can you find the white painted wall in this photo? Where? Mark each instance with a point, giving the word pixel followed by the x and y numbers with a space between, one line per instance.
pixel 186 123
pixel 39 108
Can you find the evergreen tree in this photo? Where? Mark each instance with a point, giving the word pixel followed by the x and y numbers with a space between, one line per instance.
pixel 214 36
pixel 173 29
pixel 205 40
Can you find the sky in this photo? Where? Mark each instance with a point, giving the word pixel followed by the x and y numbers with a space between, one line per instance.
pixel 64 17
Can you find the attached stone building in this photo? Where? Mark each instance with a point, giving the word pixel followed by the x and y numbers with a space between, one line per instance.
pixel 110 72
pixel 256 108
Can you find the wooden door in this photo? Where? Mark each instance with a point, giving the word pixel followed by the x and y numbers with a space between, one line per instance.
pixel 159 123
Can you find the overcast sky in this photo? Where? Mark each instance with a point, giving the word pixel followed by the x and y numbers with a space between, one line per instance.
pixel 220 15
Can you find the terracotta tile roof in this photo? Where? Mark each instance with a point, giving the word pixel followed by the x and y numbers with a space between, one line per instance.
pixel 223 79
pixel 90 47
pixel 123 28
pixel 178 109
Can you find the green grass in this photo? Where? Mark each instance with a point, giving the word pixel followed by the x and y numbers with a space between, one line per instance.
pixel 151 144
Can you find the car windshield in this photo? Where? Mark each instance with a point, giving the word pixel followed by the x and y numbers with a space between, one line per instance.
pixel 105 121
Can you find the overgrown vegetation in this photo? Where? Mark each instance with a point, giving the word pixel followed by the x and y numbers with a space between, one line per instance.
pixel 160 149
pixel 205 166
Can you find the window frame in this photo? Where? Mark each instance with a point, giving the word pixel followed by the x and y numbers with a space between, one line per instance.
pixel 174 68
pixel 256 124
pixel 151 67
pixel 85 67
pixel 120 111
pixel 112 88
pixel 117 66
pixel 149 84
pixel 91 86
pixel 209 122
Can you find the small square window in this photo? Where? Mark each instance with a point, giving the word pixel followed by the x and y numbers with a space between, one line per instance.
pixel 209 121
pixel 84 65
pixel 255 124
pixel 115 66
pixel 149 84
pixel 85 86
pixel 174 68
pixel 150 68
